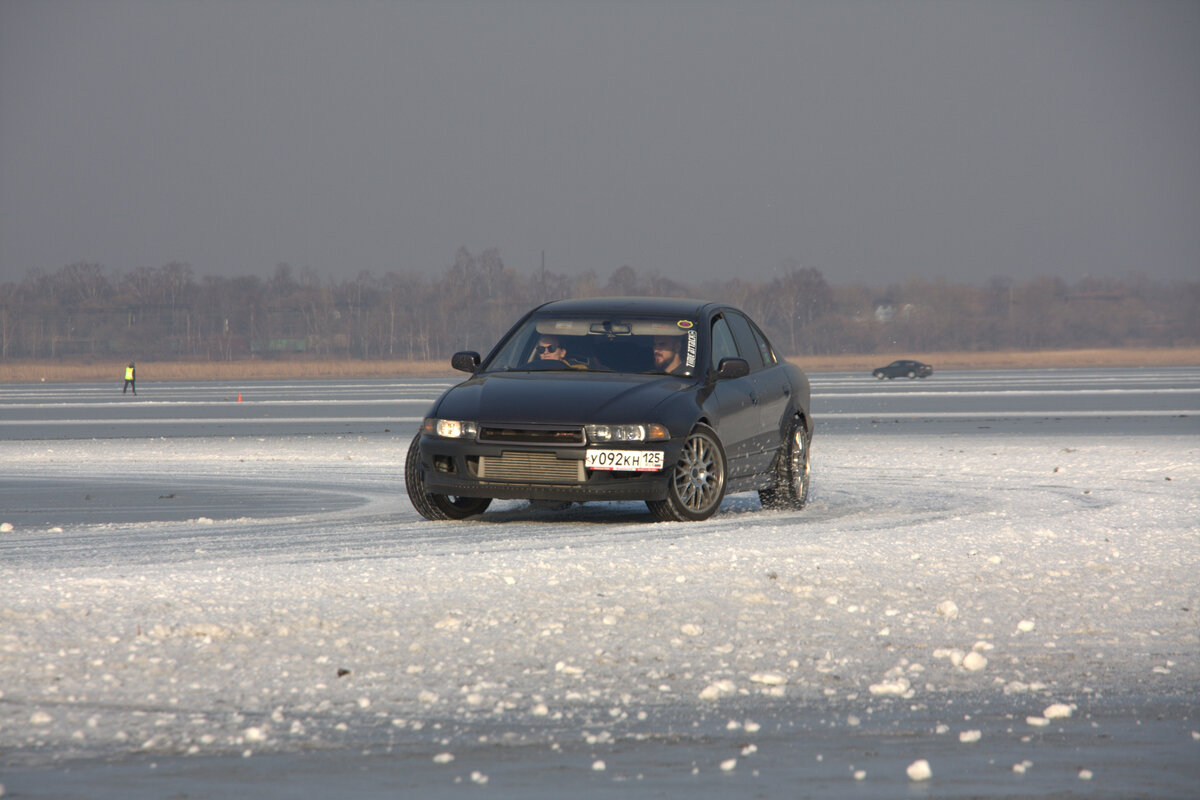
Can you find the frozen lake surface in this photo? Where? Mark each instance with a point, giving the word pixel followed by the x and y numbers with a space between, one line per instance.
pixel 997 579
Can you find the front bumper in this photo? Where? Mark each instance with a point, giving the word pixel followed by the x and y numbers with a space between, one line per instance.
pixel 459 468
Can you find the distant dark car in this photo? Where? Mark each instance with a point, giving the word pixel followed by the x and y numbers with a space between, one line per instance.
pixel 904 369
pixel 672 402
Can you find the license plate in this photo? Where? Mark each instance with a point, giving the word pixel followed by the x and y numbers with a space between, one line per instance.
pixel 631 460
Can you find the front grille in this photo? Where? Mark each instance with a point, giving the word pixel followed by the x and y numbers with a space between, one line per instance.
pixel 519 467
pixel 531 435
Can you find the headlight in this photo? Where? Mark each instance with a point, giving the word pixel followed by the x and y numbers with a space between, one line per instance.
pixel 451 428
pixel 652 432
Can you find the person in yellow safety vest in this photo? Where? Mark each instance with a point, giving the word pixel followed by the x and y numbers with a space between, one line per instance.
pixel 130 377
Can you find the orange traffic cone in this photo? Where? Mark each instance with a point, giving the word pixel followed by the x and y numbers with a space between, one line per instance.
pixel 239 397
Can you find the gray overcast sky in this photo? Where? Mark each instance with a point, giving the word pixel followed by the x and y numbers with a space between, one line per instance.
pixel 875 140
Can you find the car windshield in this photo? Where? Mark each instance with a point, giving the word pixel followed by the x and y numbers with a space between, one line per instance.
pixel 629 344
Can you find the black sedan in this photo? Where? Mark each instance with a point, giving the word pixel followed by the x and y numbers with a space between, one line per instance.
pixel 672 402
pixel 904 369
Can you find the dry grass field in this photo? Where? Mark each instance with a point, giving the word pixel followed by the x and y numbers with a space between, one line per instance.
pixel 333 369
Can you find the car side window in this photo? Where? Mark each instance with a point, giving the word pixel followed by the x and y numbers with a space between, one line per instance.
pixel 746 344
pixel 764 347
pixel 722 342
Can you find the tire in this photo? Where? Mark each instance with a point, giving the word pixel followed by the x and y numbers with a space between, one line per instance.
pixel 696 485
pixel 436 506
pixel 912 375
pixel 790 490
pixel 880 375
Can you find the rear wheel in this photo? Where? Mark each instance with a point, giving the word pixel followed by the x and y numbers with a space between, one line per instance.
pixel 696 485
pixel 436 506
pixel 912 374
pixel 790 489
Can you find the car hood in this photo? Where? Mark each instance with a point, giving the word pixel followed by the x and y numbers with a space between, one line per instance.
pixel 566 397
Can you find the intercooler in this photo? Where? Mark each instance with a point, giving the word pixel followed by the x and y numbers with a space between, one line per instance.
pixel 522 467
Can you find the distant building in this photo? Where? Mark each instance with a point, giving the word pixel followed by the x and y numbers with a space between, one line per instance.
pixel 886 312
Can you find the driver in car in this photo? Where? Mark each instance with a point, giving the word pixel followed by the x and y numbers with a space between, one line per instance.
pixel 551 348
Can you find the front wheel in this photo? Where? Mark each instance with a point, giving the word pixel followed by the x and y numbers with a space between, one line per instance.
pixel 790 488
pixel 696 485
pixel 436 506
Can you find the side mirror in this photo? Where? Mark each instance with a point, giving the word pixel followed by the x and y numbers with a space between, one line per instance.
pixel 733 368
pixel 465 361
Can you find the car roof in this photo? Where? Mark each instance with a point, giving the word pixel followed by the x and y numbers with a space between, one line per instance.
pixel 670 306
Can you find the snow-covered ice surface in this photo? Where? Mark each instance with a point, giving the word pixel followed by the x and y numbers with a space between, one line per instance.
pixel 970 606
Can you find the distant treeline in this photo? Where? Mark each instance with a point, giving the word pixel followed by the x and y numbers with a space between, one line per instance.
pixel 86 311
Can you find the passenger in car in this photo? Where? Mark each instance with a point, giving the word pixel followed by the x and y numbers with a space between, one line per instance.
pixel 667 355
